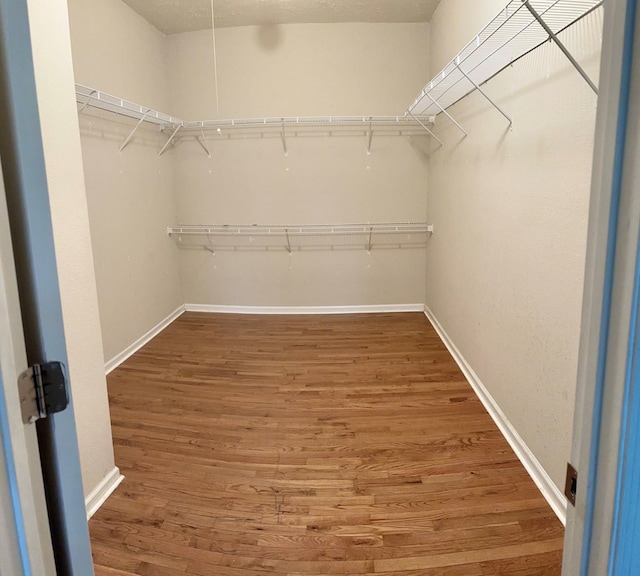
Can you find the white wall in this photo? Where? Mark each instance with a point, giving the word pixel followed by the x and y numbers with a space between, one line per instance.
pixel 130 193
pixel 505 267
pixel 301 70
pixel 65 182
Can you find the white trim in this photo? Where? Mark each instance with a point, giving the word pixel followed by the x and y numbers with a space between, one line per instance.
pixel 140 342
pixel 304 309
pixel 550 491
pixel 102 491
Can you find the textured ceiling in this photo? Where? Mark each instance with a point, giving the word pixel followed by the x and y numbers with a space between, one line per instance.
pixel 174 16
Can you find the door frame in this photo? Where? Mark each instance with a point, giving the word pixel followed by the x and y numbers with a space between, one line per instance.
pixel 624 554
pixel 27 195
pixel 608 304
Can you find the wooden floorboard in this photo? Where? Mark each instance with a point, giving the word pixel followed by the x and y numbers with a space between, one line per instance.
pixel 312 445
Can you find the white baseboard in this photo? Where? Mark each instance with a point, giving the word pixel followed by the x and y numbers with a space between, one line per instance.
pixel 140 342
pixel 550 491
pixel 304 309
pixel 102 491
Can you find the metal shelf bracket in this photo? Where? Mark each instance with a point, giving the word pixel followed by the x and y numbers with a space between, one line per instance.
pixel 457 63
pixel 86 103
pixel 211 247
pixel 135 128
pixel 203 143
pixel 284 139
pixel 427 129
pixel 559 44
pixel 170 140
pixel 286 231
pixel 448 115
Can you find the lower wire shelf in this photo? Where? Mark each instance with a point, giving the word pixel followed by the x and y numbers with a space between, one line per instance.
pixel 299 237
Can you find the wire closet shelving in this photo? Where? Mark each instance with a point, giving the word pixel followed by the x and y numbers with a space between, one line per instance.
pixel 300 237
pixel 520 27
pixel 281 127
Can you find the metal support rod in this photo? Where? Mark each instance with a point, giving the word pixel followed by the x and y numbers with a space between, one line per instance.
pixel 284 144
pixel 560 45
pixel 369 245
pixel 483 93
pixel 370 138
pixel 169 141
pixel 87 101
pixel 204 146
pixel 211 246
pixel 427 129
pixel 286 231
pixel 448 115
pixel 128 139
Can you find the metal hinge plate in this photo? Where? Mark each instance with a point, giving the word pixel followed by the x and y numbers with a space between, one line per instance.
pixel 43 391
pixel 571 484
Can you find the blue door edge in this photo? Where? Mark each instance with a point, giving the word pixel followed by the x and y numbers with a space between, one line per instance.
pixel 609 277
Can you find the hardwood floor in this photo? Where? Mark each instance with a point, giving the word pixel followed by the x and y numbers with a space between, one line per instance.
pixel 312 445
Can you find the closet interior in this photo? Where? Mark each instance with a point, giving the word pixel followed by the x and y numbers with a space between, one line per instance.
pixel 312 167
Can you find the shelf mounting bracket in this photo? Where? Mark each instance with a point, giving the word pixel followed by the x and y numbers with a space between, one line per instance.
pixel 211 247
pixel 448 115
pixel 135 128
pixel 427 129
pixel 560 45
pixel 370 244
pixel 286 231
pixel 370 137
pixel 169 141
pixel 284 142
pixel 477 87
pixel 203 143
pixel 82 108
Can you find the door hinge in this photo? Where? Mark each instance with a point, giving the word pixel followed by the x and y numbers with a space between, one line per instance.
pixel 571 484
pixel 43 391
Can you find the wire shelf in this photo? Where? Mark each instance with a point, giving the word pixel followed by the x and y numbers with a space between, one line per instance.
pixel 311 125
pixel 300 237
pixel 510 35
pixel 96 99
pixel 302 122
pixel 87 96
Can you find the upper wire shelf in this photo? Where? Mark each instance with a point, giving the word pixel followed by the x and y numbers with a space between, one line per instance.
pixel 299 237
pixel 96 99
pixel 294 122
pixel 282 126
pixel 519 28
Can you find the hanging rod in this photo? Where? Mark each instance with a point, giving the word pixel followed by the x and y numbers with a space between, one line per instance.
pixel 520 27
pixel 299 237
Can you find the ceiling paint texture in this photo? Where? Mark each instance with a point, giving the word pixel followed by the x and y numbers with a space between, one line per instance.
pixel 175 16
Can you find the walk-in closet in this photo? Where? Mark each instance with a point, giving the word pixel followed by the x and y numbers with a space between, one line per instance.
pixel 336 260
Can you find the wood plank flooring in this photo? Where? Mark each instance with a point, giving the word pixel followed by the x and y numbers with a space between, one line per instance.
pixel 306 445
